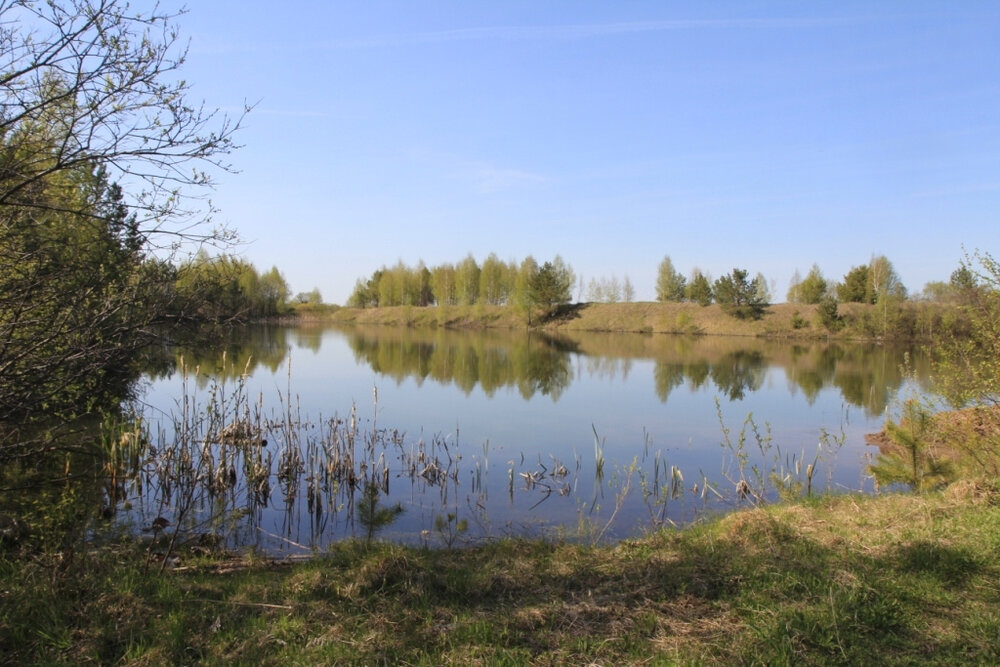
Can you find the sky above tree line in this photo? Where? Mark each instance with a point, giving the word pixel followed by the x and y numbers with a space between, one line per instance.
pixel 762 135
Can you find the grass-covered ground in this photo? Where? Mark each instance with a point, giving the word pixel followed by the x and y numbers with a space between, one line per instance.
pixel 845 579
pixel 859 321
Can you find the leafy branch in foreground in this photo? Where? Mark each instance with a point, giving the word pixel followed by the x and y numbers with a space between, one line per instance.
pixel 103 160
pixel 968 364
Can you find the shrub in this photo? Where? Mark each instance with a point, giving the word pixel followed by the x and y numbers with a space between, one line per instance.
pixel 828 314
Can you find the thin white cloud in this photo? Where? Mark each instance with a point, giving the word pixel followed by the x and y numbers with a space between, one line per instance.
pixel 482 176
pixel 489 179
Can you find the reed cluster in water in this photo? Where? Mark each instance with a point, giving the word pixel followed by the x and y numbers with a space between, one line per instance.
pixel 210 471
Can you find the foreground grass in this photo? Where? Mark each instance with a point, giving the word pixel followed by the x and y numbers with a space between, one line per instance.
pixel 897 578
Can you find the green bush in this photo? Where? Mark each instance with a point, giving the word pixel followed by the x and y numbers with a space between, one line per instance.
pixel 828 314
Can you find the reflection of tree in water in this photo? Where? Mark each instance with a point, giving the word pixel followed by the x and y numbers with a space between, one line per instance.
pixel 667 376
pixel 533 364
pixel 867 380
pixel 608 367
pixel 544 368
pixel 739 372
pixel 867 376
pixel 222 353
pixel 697 373
pixel 734 373
pixel 813 368
pixel 308 337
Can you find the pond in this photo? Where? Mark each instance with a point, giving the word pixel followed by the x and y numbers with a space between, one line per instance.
pixel 295 437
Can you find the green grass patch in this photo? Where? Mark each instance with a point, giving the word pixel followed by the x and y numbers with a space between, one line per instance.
pixel 837 580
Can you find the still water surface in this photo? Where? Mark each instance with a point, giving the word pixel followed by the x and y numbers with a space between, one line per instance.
pixel 508 420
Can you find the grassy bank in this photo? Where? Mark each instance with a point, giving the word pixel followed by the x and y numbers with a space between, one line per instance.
pixel 907 320
pixel 898 578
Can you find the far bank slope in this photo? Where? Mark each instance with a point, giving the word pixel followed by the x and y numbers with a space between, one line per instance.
pixel 861 321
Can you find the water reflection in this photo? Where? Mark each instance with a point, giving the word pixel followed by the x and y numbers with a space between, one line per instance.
pixel 534 363
pixel 866 375
pixel 228 353
pixel 530 406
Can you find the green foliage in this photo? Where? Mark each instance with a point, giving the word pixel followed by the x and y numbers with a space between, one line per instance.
pixel 67 293
pixel 89 104
pixel 496 282
pixel 467 281
pixel 449 528
pixel 550 286
pixel 225 288
pixel 740 297
pixel 871 283
pixel 799 322
pixel 969 363
pixel 883 281
pixel 910 461
pixel 699 289
pixel 670 284
pixel 939 291
pixel 814 287
pixel 829 316
pixel 522 285
pixel 854 289
pixel 365 294
pixel 963 278
pixel 443 288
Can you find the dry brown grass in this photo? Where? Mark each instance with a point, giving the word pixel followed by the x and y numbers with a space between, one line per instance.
pixel 638 317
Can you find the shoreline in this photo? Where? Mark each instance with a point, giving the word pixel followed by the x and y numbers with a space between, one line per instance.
pixel 912 322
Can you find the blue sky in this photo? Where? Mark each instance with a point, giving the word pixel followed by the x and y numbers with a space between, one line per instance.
pixel 762 135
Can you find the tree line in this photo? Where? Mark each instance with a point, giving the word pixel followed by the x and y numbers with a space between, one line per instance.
pixel 526 285
pixel 737 294
pixel 873 282
pixel 499 283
